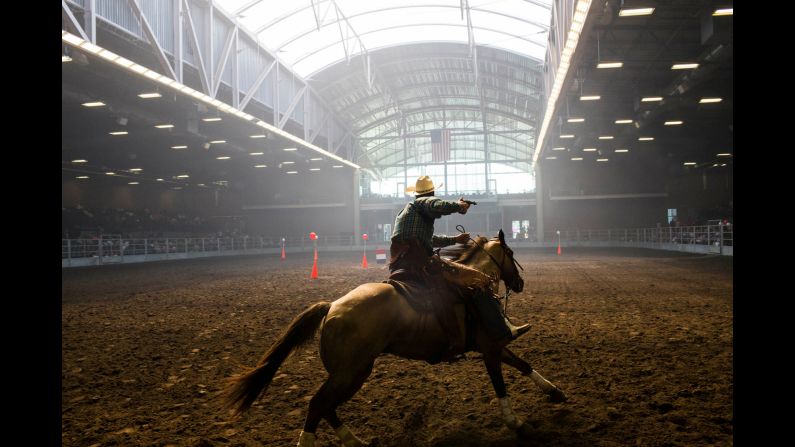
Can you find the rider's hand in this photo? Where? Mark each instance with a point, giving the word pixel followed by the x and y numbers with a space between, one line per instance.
pixel 464 206
pixel 462 238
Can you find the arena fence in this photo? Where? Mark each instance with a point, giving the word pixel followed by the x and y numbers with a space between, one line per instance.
pixel 710 239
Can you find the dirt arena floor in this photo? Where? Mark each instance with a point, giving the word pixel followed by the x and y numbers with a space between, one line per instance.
pixel 639 340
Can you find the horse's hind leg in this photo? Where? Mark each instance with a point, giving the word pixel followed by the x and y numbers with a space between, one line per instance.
pixel 338 388
pixel 554 393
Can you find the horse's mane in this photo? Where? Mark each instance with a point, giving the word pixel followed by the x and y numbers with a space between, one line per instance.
pixel 462 253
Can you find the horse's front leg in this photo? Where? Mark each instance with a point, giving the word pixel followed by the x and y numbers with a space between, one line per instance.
pixel 554 393
pixel 493 361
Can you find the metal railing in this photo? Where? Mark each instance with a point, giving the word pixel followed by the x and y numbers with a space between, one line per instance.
pixel 113 250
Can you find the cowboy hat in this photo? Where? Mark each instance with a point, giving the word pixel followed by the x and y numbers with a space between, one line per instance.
pixel 424 185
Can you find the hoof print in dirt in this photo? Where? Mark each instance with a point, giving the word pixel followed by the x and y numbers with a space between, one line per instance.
pixel 557 397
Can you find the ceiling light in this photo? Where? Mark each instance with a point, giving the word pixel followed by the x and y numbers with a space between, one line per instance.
pixel 606 137
pixel 576 158
pixel 645 138
pixel 257 136
pixel 590 98
pixel 690 163
pixel 610 65
pixel 314 169
pixel 315 159
pixel 683 66
pixel 623 121
pixel 82 176
pixel 725 154
pixel 222 158
pixel 621 150
pixel 110 173
pixel 337 166
pixel 567 136
pixel 630 12
pixel 651 99
pixel 290 149
pixel 558 148
pixel 217 141
pixel 209 120
pixel 160 180
pixel 288 163
pixel 164 126
pixel 136 170
pixel 589 149
pixel 118 132
pixel 576 120
pixel 71 38
pixel 149 95
pixel 79 161
pixel 260 166
pixel 673 123
pixel 179 147
pixel 601 159
pixel 93 104
pixel 292 172
pixel 704 100
pixel 132 183
pixel 724 12
pixel 183 176
pixel 723 164
pixel 552 157
pixel 90 47
pixel 257 153
pixel 66 59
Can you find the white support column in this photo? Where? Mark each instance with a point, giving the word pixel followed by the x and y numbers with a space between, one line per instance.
pixel 276 95
pixel 178 45
pixel 90 20
pixel 236 70
pixel 357 212
pixel 539 204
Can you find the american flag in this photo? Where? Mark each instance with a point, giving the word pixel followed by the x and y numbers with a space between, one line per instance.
pixel 440 145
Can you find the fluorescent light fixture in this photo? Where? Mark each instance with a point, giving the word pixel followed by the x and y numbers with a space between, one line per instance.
pixel 160 180
pixel 183 176
pixel 725 154
pixel 673 123
pixel 610 65
pixel 290 149
pixel 631 12
pixel 66 59
pixel 576 158
pixel 218 142
pixel 82 176
pixel 552 157
pixel 257 153
pixel 150 95
pixel 576 120
pixel 690 163
pixel 723 164
pixel 645 138
pixel 589 149
pixel 601 159
pixel 257 136
pixel 288 163
pixel 606 137
pixel 337 166
pixel 164 126
pixel 702 101
pixel 80 160
pixel 260 166
pixel 315 159
pixel 558 148
pixel 292 172
pixel 136 170
pixel 651 99
pixel 200 184
pixel 567 136
pixel 314 169
pixel 683 66
pixel 110 173
pixel 590 98
pixel 90 47
pixel 118 132
pixel 623 121
pixel 179 147
pixel 619 151
pixel 222 158
pixel 209 120
pixel 132 183
pixel 724 12
pixel 138 68
pixel 93 104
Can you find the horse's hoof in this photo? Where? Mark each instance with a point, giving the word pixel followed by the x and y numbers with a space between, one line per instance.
pixel 557 396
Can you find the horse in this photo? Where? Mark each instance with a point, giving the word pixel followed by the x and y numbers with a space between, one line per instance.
pixel 374 319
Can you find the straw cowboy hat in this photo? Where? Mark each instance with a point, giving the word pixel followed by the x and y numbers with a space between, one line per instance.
pixel 424 185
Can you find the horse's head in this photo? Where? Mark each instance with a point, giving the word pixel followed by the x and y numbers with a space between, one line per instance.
pixel 502 255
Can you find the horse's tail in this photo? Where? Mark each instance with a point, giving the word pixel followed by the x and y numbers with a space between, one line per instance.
pixel 245 388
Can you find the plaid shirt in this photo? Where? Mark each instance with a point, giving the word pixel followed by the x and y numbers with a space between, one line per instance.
pixel 410 222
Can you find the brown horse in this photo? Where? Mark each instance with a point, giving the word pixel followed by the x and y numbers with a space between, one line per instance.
pixel 371 320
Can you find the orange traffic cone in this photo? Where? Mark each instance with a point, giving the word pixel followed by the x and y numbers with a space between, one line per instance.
pixel 314 270
pixel 283 256
pixel 364 261
pixel 558 248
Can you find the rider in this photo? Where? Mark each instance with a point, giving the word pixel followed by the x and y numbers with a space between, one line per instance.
pixel 412 251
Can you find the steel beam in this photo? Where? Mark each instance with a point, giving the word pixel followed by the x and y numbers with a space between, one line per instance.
pixel 178 44
pixel 253 89
pixel 219 72
pixel 150 36
pixel 298 96
pixel 90 20
pixel 71 20
pixel 196 49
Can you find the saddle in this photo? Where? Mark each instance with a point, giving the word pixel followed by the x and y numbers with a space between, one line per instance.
pixel 416 292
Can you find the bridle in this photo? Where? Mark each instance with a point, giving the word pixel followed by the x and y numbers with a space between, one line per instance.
pixel 506 252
